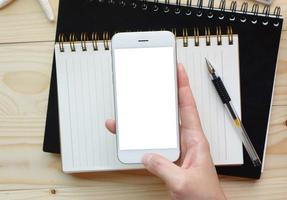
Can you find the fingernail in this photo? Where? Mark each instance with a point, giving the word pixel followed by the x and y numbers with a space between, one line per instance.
pixel 146 158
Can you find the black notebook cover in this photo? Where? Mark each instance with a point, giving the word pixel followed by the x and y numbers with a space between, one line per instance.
pixel 259 36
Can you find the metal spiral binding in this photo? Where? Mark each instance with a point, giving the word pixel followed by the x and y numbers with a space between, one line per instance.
pixel 62 39
pixel 207 35
pixel 199 4
pixel 233 7
pixel 187 9
pixel 266 12
pixel 277 12
pixel 133 4
pixel 185 37
pixel 218 35
pixel 155 6
pixel 166 7
pixel 72 40
pixel 255 10
pixel 210 7
pixel 95 40
pixel 196 36
pixel 84 38
pixel 122 3
pixel 230 35
pixel 244 9
pixel 173 30
pixel 106 38
pixel 177 9
pixel 144 5
pixel 210 4
pixel 111 1
pixel 222 5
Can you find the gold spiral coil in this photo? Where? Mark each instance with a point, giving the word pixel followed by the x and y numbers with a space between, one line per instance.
pixel 230 35
pixel 218 35
pixel 207 35
pixel 72 39
pixel 196 36
pixel 84 39
pixel 185 37
pixel 62 39
pixel 106 40
pixel 95 40
pixel 174 31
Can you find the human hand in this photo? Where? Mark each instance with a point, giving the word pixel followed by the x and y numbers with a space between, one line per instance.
pixel 195 176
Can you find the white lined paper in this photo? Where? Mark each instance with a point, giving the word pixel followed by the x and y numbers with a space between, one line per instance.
pixel 85 97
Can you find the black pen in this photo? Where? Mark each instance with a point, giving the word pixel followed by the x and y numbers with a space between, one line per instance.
pixel 226 100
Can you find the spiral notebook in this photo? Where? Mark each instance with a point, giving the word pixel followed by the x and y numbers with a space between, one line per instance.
pixel 259 32
pixel 85 100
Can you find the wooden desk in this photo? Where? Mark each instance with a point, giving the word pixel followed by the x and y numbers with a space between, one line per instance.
pixel 26 47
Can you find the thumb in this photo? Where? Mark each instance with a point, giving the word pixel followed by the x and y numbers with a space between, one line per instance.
pixel 163 168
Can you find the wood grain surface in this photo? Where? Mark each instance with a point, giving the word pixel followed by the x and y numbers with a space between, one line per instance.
pixel 26 48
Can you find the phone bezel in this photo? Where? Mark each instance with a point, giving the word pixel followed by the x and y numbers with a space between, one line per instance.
pixel 145 40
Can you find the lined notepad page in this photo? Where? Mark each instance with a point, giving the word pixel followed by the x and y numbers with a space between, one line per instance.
pixel 225 145
pixel 85 97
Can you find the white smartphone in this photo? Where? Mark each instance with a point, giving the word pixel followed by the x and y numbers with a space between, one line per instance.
pixel 146 95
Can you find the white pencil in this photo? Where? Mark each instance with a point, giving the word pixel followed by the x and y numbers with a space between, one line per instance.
pixel 47 9
pixel 4 3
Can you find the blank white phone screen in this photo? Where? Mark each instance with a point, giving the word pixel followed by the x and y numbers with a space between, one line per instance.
pixel 146 98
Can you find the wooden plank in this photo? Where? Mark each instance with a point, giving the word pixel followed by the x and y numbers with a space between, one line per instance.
pixel 269 187
pixel 23 165
pixel 242 189
pixel 121 192
pixel 24 21
pixel 280 92
pixel 24 86
pixel 277 140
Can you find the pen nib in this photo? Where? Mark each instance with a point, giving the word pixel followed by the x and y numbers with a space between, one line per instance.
pixel 209 67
